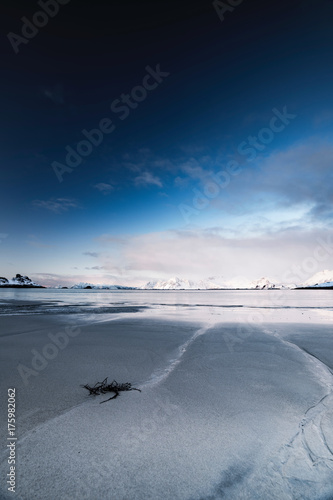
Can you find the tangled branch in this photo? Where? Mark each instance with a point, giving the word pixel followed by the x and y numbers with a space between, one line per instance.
pixel 104 387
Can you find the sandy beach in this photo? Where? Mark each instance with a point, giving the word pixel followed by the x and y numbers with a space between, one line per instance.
pixel 227 410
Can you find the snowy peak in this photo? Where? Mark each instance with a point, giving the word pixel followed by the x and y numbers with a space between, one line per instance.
pixel 19 281
pixel 320 279
pixel 171 284
pixel 22 280
pixel 176 283
pixel 211 283
pixel 88 286
pixel 263 284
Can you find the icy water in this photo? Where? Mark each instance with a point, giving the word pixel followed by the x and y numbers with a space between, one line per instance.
pixel 184 304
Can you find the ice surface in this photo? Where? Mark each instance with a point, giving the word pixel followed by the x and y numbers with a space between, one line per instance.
pixel 236 398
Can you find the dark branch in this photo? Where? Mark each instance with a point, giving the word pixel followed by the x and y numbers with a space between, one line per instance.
pixel 104 387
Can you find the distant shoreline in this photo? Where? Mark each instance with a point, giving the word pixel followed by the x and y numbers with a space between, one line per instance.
pixel 22 286
pixel 314 288
pixel 171 289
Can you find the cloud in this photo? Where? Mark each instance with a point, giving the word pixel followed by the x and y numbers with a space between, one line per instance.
pixel 193 168
pixel 163 163
pixel 133 167
pixel 104 188
pixel 181 182
pixel 95 268
pixel 52 280
pixel 56 205
pixel 91 254
pixel 144 159
pixel 298 180
pixel 146 179
pixel 196 254
pixel 300 175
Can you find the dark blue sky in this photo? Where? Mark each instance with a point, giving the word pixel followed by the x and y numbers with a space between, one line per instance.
pixel 130 210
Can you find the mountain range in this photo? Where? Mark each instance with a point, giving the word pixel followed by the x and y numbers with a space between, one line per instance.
pixel 214 283
pixel 322 279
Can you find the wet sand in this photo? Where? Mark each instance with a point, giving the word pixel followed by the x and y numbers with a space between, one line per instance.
pixel 216 418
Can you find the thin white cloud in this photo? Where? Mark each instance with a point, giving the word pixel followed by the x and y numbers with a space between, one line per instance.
pixel 104 188
pixel 147 179
pixel 181 182
pixel 193 168
pixel 56 205
pixel 91 254
pixel 49 279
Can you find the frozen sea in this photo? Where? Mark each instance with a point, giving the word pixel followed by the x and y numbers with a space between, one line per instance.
pixel 236 396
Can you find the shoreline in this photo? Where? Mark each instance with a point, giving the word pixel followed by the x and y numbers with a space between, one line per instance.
pixel 214 414
pixel 124 289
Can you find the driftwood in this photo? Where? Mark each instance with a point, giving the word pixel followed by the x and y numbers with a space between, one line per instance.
pixel 103 387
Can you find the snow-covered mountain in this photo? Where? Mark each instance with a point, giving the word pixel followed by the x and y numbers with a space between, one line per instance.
pixel 175 283
pixel 212 283
pixel 19 281
pixel 262 284
pixel 265 284
pixel 171 284
pixel 101 287
pixel 322 279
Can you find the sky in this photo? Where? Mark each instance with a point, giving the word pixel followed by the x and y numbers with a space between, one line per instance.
pixel 143 140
